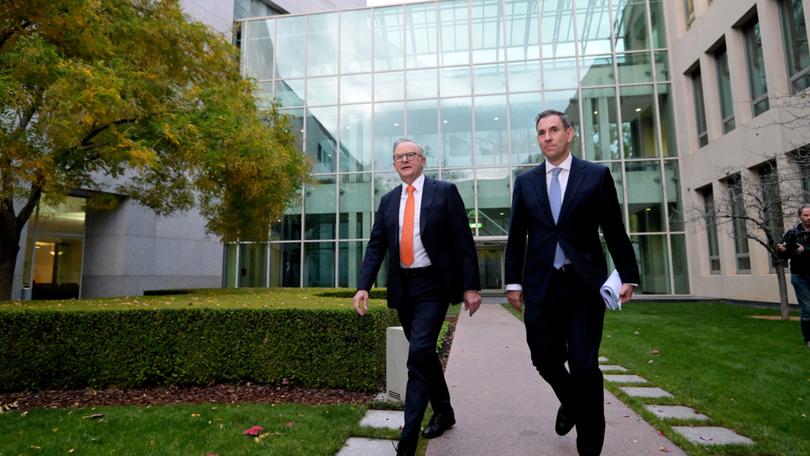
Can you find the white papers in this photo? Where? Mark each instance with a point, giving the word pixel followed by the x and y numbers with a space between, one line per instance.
pixel 610 291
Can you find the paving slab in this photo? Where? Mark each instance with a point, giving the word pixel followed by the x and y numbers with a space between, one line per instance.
pixel 612 368
pixel 644 391
pixel 386 419
pixel 504 408
pixel 712 435
pixel 624 379
pixel 678 412
pixel 602 359
pixel 357 446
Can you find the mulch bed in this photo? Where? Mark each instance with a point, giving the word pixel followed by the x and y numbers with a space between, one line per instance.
pixel 216 394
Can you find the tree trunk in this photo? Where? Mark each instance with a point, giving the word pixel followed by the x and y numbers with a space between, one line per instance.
pixel 783 292
pixel 8 259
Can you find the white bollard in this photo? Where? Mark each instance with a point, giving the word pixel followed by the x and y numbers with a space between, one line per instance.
pixel 396 360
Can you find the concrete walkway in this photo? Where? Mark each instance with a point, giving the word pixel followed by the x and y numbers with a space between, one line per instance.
pixel 504 408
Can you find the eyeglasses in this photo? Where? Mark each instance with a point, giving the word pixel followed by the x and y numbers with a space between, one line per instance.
pixel 410 156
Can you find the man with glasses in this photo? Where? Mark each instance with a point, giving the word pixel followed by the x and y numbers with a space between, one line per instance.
pixel 554 262
pixel 423 226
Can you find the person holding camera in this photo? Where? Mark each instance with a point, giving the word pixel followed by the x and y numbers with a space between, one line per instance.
pixel 796 246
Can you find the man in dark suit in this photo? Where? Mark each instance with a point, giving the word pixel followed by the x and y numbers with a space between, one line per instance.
pixel 558 209
pixel 423 226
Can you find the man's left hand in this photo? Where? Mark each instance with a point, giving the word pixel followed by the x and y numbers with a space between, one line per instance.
pixel 472 301
pixel 627 292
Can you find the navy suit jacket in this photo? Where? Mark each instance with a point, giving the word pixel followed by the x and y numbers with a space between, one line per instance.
pixel 590 202
pixel 445 232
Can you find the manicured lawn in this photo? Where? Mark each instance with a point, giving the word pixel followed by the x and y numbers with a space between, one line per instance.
pixel 188 429
pixel 746 374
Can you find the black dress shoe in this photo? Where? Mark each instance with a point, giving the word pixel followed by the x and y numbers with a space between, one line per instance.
pixel 564 422
pixel 439 423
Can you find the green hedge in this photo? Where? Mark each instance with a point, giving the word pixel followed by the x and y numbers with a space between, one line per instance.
pixel 133 348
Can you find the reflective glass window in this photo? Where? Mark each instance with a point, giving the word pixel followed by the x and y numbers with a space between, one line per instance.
pixel 487 31
pixel 421 83
pixel 523 133
pixel 319 264
pixel 290 61
pixel 389 86
pixel 290 92
pixel 566 101
pixel 319 208
pixel 559 74
pixel 709 216
pixel 489 79
pixel 456 131
pixel 524 76
pixel 288 227
pixel 422 128
pixel 700 107
pixel 384 183
pixel 355 88
pixel 355 137
pixel 463 178
pixel 639 126
pixel 494 201
pixel 600 127
pixel 593 23
pixel 756 68
pixel 322 139
pixel 253 264
pixel 597 71
pixel 736 201
pixel 724 83
pixel 491 134
pixel 522 37
pixel 257 37
pixel 653 263
pixel 296 124
pixel 389 125
pixel 455 81
pixel 630 25
pixel 229 271
pixel 797 53
pixel 680 263
pixel 389 39
pixel 661 65
pixel 322 91
pixel 355 41
pixel 674 206
pixel 645 197
pixel 264 95
pixel 354 206
pixel 665 109
pixel 420 36
pixel 322 52
pixel 285 265
pixel 350 260
pixel 557 29
pixel 454 43
pixel 634 67
pixel 659 24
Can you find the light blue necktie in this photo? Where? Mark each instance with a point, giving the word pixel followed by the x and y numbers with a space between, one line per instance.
pixel 555 200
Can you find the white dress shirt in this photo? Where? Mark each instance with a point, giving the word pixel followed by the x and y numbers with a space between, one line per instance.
pixel 420 256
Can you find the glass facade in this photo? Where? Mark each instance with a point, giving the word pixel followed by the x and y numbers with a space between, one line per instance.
pixel 797 52
pixel 724 88
pixel 465 79
pixel 756 67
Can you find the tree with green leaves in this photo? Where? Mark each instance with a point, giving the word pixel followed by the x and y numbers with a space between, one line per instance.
pixel 132 92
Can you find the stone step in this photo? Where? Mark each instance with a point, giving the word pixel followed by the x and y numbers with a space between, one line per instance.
pixel 678 412
pixel 358 446
pixel 644 391
pixel 384 419
pixel 712 435
pixel 625 379
pixel 612 368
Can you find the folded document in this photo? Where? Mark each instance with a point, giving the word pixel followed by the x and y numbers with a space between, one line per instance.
pixel 610 291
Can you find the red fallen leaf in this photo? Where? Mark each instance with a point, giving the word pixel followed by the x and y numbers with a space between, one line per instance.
pixel 290 424
pixel 253 431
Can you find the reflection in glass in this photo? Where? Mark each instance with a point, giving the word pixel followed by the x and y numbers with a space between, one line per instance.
pixel 289 58
pixel 420 36
pixel 659 25
pixel 489 79
pixel 593 21
pixel 421 83
pixel 524 76
pixel 389 86
pixel 600 124
pixel 319 208
pixel 559 74
pixel 290 92
pixel 797 53
pixel 566 101
pixel 288 227
pixel 674 207
pixel 355 206
pixel 285 265
pixel 252 264
pixel 322 44
pixel 487 31
pixel 597 71
pixel 491 134
pixel 724 83
pixel 322 91
pixel 384 183
pixel 454 44
pixel 756 68
pixel 355 41
pixel 355 88
pixel 661 65
pixel 455 81
pixel 522 39
pixel 257 42
pixel 355 138
pixel 297 124
pixel 668 134
pixel 639 130
pixel 646 205
pixel 319 264
pixel 322 138
pixel 389 39
pixel 494 201
pixel 616 174
pixel 456 128
pixel 350 259
pixel 522 110
pixel 634 67
pixel 422 128
pixel 389 125
pixel 557 28
pixel 680 263
pixel 229 262
pixel 653 263
pixel 463 178
pixel 630 25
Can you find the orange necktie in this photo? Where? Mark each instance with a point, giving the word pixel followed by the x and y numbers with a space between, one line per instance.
pixel 406 243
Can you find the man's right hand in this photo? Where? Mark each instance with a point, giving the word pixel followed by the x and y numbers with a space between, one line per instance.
pixel 361 302
pixel 515 297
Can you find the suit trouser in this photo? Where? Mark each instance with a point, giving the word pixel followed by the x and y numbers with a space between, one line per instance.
pixel 567 326
pixel 422 312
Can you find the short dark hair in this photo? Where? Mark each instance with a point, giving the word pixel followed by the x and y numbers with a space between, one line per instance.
pixel 566 121
pixel 404 140
pixel 803 207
